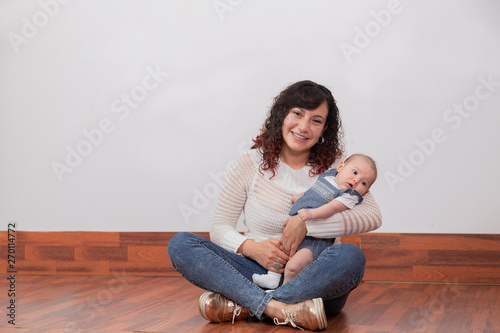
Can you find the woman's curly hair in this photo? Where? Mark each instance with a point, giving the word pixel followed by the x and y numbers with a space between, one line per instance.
pixel 308 95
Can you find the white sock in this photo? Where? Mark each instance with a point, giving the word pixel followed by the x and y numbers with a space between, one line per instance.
pixel 270 280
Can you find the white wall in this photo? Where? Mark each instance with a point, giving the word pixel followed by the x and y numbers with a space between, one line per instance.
pixel 399 70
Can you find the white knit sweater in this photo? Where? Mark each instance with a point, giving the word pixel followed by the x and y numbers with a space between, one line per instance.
pixel 265 205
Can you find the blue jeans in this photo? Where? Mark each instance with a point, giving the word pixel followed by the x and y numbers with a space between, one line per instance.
pixel 338 270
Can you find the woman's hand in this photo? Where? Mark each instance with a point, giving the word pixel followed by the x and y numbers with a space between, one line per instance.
pixel 294 233
pixel 266 253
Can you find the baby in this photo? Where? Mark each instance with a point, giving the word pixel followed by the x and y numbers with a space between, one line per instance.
pixel 335 190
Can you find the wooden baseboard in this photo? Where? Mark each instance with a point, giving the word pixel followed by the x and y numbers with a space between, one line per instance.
pixel 394 257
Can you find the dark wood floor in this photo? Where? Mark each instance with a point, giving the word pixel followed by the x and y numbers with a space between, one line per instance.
pixel 169 304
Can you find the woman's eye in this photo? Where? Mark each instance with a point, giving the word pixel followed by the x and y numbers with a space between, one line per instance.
pixel 317 121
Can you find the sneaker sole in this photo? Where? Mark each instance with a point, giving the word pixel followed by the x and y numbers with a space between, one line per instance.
pixel 320 313
pixel 202 302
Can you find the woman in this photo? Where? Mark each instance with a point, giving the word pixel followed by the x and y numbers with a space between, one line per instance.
pixel 300 140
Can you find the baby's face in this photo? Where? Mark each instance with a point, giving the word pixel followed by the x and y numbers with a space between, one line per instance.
pixel 357 174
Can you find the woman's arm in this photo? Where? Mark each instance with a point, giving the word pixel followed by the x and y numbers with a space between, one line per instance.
pixel 230 205
pixel 362 218
pixel 229 208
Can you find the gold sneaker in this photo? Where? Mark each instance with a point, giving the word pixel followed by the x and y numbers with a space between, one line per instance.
pixel 309 314
pixel 217 308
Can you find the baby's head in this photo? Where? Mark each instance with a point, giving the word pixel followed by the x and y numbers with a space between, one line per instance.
pixel 357 172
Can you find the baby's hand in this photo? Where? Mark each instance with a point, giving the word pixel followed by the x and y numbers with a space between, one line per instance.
pixel 304 214
pixel 296 197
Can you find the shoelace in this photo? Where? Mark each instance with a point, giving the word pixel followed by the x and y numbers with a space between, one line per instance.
pixel 290 317
pixel 236 312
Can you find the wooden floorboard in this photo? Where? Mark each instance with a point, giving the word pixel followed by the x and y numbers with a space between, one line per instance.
pixel 169 304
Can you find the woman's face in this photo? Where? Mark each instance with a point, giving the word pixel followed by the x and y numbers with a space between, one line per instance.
pixel 302 128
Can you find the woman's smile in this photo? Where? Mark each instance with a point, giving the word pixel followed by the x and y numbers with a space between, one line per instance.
pixel 298 136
